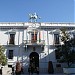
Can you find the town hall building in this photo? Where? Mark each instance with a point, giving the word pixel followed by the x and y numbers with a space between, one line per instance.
pixel 32 41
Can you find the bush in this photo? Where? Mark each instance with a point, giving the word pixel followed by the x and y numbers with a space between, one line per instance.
pixel 3 59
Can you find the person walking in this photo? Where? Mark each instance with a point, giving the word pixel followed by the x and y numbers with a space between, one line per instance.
pixel 32 69
pixel 29 70
pixel 18 68
pixel 37 70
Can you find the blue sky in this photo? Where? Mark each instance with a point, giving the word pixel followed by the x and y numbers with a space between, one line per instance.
pixel 48 10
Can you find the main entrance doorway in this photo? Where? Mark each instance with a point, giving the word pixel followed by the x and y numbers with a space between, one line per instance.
pixel 34 59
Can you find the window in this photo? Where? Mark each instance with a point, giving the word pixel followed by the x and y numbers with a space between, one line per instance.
pixel 11 40
pixel 33 37
pixel 56 38
pixel 10 54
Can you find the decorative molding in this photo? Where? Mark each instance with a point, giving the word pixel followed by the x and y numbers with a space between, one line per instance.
pixel 13 27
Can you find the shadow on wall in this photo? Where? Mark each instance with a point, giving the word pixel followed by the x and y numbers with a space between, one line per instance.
pixel 46 65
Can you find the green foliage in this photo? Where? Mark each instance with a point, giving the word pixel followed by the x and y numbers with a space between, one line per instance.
pixel 65 36
pixel 3 59
pixel 66 50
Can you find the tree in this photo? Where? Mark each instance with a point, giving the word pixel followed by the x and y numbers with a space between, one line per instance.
pixel 66 49
pixel 3 59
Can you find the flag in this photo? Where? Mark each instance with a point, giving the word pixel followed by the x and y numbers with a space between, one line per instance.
pixel 34 36
pixel 40 36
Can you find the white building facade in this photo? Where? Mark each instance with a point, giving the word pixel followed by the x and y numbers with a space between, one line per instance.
pixel 24 41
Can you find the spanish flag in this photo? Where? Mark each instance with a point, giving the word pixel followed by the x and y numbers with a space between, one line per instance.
pixel 40 36
pixel 34 35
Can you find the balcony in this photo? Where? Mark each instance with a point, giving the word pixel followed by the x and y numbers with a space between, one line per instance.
pixel 10 43
pixel 34 42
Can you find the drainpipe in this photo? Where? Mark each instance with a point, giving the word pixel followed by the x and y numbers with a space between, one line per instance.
pixel 18 44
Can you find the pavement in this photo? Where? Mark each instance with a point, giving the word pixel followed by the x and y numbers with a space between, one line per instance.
pixel 43 74
pixel 46 74
pixel 8 71
pixel 38 74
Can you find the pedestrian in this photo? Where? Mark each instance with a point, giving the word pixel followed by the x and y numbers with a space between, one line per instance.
pixel 29 70
pixel 32 69
pixel 12 70
pixel 18 68
pixel 37 70
pixel 1 71
pixel 22 69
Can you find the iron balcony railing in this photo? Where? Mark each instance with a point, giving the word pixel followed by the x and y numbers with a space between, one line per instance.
pixel 39 42
pixel 10 43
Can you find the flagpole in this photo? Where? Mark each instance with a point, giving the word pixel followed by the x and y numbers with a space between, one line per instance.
pixel 34 36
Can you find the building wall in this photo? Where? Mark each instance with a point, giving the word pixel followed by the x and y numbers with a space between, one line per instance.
pixel 3 38
pixel 22 55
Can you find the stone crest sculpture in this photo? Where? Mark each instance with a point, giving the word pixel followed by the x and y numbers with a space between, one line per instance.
pixel 33 17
